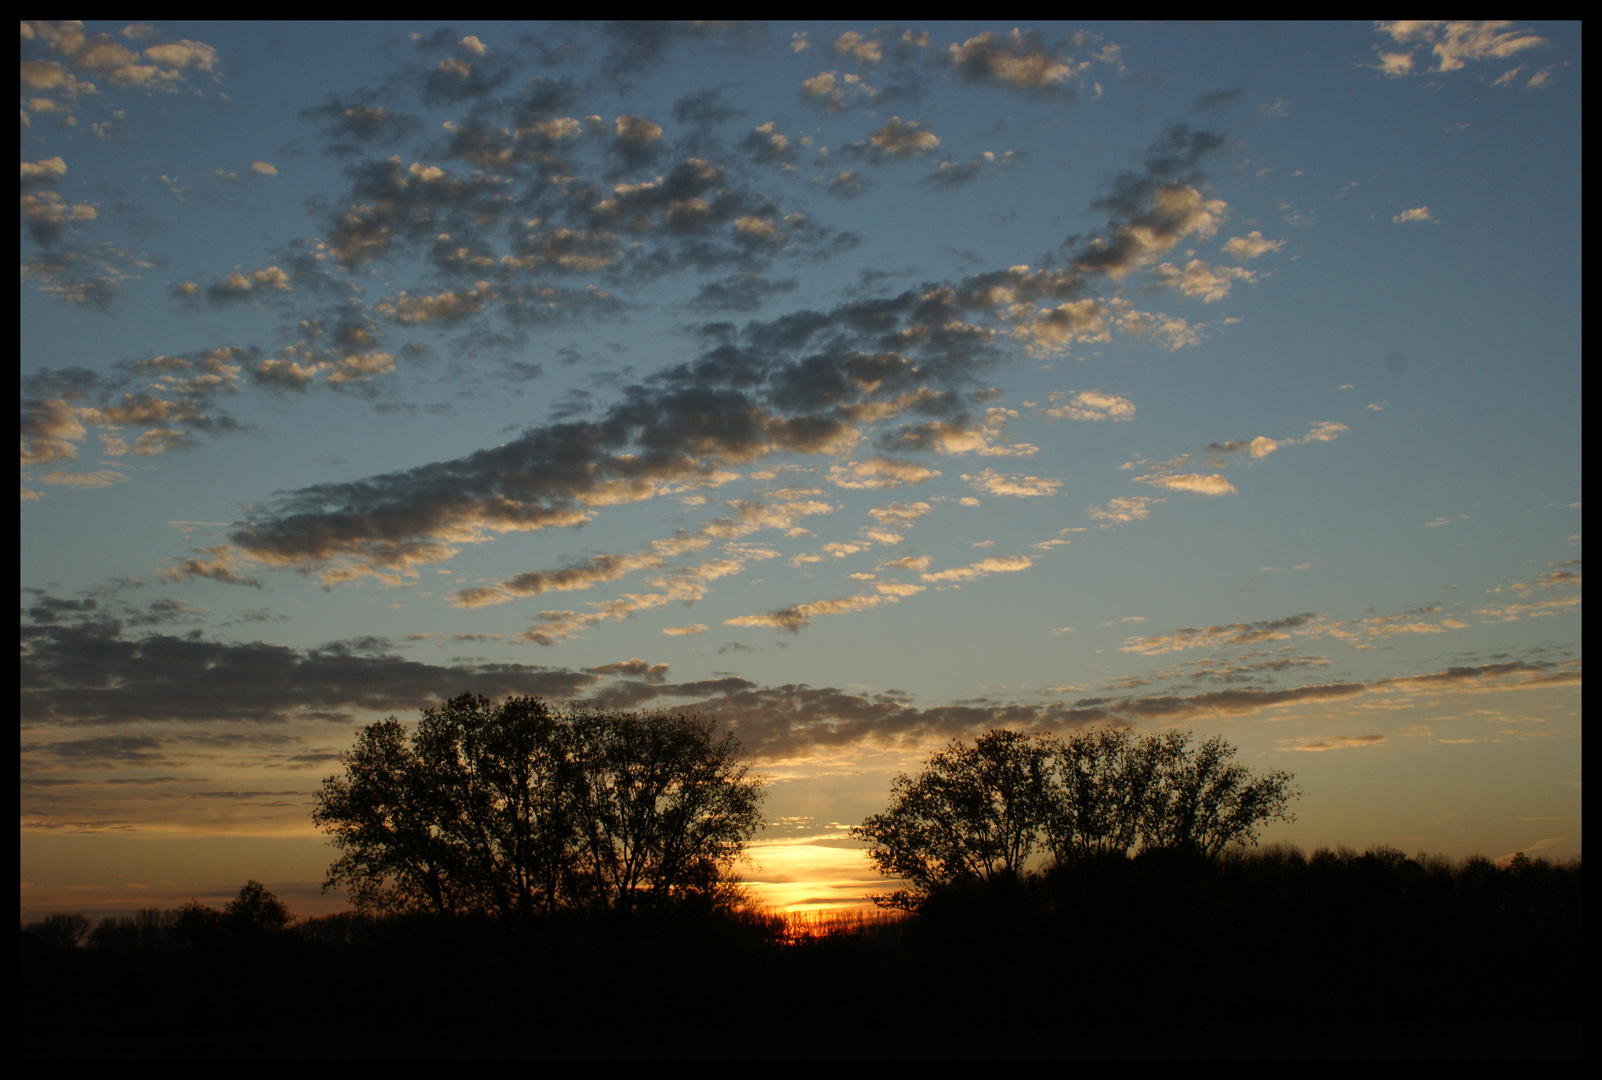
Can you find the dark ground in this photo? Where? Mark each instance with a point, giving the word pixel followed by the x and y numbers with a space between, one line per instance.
pixel 1272 955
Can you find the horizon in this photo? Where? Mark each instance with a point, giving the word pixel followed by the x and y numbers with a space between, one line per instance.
pixel 862 387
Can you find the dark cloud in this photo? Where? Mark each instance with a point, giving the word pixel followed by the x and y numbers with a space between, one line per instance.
pixel 106 751
pixel 354 123
pixel 542 98
pixel 704 109
pixel 952 174
pixel 59 406
pixel 897 140
pixel 1217 99
pixel 72 277
pixel 1019 61
pixel 801 383
pixel 457 78
pixel 1151 210
pixel 741 292
pixel 636 46
pixel 91 671
pixel 1228 634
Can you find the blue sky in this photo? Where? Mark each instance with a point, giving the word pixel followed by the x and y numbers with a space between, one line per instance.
pixel 863 386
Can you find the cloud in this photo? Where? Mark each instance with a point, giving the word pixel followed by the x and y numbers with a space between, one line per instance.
pixel 805 384
pixel 847 185
pixel 1454 43
pixel 948 438
pixel 1262 445
pixel 1418 213
pixel 1339 742
pixel 1018 61
pixel 47 216
pixel 1123 509
pixel 89 670
pixel 900 514
pixel 879 473
pixel 983 568
pixel 240 286
pixel 794 618
pixel 691 628
pixel 1088 405
pixel 898 140
pixel 80 667
pixel 837 92
pixel 1192 637
pixel 859 48
pixel 1154 209
pixel 164 66
pixel 224 565
pixel 1193 482
pixel 745 292
pixel 583 575
pixel 350 124
pixel 951 175
pixel 1534 609
pixel 1250 246
pixel 51 431
pixel 99 479
pixel 43 173
pixel 1202 282
pixel 768 144
pixel 1022 487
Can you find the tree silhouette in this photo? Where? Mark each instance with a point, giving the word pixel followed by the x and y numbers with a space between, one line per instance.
pixel 1102 782
pixel 518 810
pixel 255 912
pixel 976 813
pixel 1201 801
pixel 659 806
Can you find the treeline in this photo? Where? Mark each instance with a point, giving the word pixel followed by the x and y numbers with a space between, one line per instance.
pixel 1167 952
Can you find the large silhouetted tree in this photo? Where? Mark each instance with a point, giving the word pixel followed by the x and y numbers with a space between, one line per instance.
pixel 975 813
pixel 658 806
pixel 518 810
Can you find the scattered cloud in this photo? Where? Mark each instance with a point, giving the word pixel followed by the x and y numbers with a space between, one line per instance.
pixel 1023 487
pixel 1452 44
pixel 1123 509
pixel 1088 405
pixel 1418 213
pixel 1192 482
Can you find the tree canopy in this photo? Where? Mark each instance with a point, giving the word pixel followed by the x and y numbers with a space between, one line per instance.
pixel 519 810
pixel 976 813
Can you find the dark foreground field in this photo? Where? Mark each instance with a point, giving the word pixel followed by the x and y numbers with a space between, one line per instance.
pixel 1268 954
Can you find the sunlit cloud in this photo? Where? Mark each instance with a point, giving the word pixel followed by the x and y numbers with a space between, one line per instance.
pixel 1023 487
pixel 1192 482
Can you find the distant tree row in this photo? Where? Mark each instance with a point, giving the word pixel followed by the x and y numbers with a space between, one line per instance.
pixel 522 811
pixel 254 915
pixel 981 812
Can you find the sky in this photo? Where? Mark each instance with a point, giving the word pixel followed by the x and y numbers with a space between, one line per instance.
pixel 863 387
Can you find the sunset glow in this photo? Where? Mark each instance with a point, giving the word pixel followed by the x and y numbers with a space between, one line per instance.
pixel 862 387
